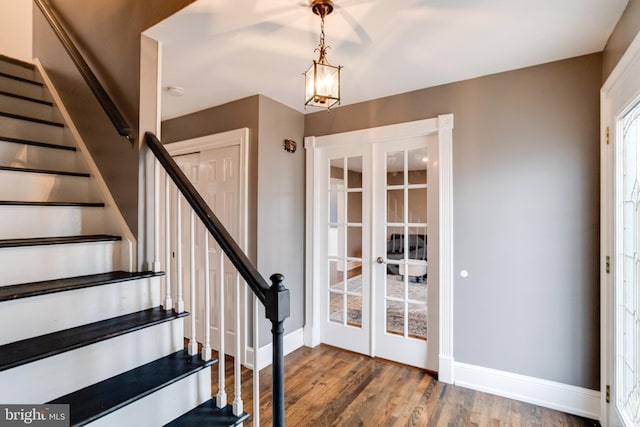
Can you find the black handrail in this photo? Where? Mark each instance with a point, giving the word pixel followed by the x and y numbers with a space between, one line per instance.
pixel 208 218
pixel 275 298
pixel 109 107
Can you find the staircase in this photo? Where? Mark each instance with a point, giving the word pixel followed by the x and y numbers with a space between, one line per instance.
pixel 78 326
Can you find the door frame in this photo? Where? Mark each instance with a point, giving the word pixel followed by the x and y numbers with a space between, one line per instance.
pixel 443 127
pixel 614 91
pixel 239 137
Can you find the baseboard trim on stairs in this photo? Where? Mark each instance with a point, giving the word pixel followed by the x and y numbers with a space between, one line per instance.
pixel 549 394
pixel 292 342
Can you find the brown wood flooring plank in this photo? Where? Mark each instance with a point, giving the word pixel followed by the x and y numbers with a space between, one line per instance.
pixel 326 386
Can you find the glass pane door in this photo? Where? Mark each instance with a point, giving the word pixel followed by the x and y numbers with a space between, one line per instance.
pixel 379 202
pixel 406 233
pixel 345 242
pixel 345 308
pixel 405 281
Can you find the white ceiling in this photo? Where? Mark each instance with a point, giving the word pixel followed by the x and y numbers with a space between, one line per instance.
pixel 223 50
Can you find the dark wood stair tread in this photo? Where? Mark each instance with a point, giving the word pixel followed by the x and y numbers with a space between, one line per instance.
pixel 208 415
pixel 25 290
pixel 15 61
pixel 31 119
pixel 26 98
pixel 21 79
pixel 100 399
pixel 42 241
pixel 32 349
pixel 56 204
pixel 45 171
pixel 37 143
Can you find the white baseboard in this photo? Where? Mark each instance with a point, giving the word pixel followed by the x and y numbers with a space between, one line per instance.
pixel 445 369
pixel 562 397
pixel 292 342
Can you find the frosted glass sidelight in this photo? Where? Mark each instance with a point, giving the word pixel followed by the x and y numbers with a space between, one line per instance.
pixel 628 330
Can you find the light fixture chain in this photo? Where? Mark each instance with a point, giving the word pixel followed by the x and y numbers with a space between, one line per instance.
pixel 322 32
pixel 321 47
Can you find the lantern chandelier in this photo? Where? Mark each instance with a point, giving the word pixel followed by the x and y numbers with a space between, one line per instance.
pixel 322 81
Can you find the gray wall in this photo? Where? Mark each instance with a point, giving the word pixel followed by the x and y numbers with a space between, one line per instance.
pixel 526 212
pixel 276 187
pixel 281 209
pixel 621 37
pixel 108 35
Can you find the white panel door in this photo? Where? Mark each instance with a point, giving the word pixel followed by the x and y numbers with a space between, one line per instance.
pixel 215 174
pixel 220 187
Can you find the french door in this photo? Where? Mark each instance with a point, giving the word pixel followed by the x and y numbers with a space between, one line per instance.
pixel 378 248
pixel 346 296
pixel 405 244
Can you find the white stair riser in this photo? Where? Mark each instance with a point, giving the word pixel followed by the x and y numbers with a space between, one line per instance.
pixel 76 369
pixel 35 316
pixel 44 187
pixel 18 222
pixel 48 262
pixel 22 155
pixel 22 88
pixel 23 107
pixel 164 405
pixel 17 70
pixel 24 129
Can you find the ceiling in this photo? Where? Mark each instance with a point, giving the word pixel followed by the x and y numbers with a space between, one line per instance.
pixel 223 50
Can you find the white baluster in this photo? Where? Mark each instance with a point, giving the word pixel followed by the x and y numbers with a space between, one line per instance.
pixel 221 398
pixel 180 301
pixel 168 303
pixel 238 406
pixel 206 348
pixel 193 343
pixel 157 265
pixel 256 370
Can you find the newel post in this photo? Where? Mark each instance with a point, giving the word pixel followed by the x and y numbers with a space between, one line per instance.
pixel 277 310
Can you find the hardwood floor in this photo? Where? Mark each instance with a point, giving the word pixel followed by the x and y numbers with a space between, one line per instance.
pixel 326 386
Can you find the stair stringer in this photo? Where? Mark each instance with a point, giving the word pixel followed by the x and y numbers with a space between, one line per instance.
pixel 114 220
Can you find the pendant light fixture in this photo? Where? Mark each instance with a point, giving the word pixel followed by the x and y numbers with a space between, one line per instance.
pixel 322 81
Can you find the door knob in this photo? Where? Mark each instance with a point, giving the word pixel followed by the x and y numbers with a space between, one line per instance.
pixel 380 260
